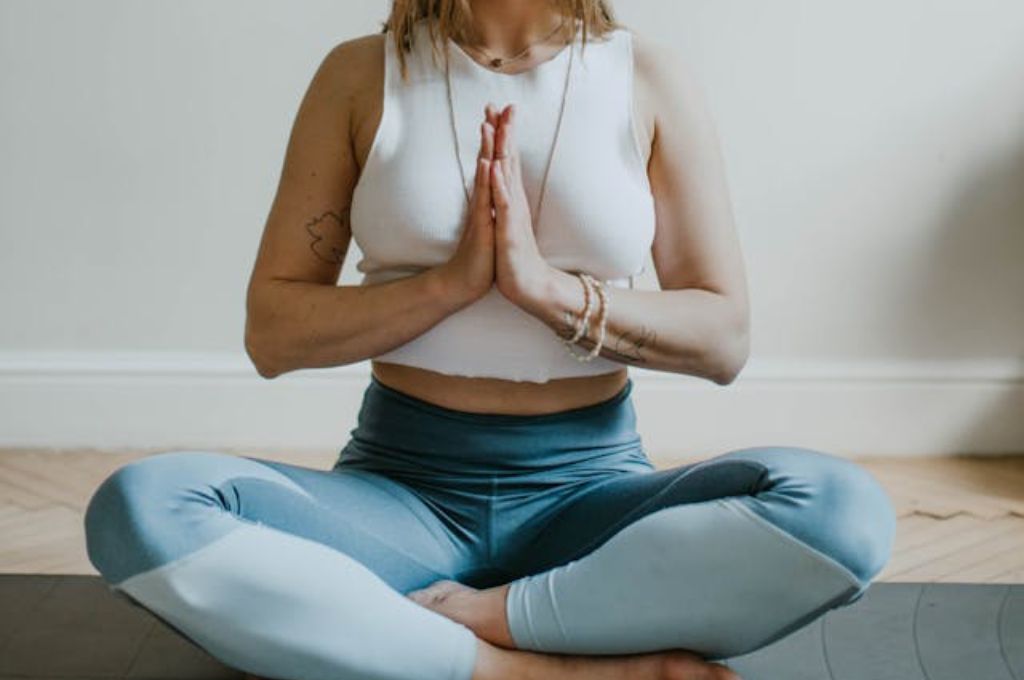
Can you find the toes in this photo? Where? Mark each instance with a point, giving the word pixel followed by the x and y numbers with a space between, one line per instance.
pixel 437 591
pixel 422 596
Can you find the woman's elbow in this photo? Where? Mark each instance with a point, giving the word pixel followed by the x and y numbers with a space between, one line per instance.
pixel 731 352
pixel 258 348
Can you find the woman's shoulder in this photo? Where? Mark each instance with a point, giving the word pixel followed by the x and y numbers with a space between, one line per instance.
pixel 354 60
pixel 666 84
pixel 352 71
pixel 655 62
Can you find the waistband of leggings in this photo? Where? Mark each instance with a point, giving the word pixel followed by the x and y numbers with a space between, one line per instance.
pixel 399 432
pixel 578 413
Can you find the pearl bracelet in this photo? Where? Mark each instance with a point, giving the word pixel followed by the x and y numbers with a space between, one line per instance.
pixel 602 323
pixel 581 323
pixel 590 281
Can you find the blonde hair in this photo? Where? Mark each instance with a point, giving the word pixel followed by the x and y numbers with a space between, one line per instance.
pixel 452 18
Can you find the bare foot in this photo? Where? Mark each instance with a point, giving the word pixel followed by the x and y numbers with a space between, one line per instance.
pixel 482 611
pixel 497 663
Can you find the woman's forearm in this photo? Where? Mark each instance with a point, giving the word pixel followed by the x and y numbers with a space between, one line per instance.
pixel 692 331
pixel 299 324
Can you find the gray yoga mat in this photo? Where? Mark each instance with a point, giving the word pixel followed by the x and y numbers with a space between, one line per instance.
pixel 54 626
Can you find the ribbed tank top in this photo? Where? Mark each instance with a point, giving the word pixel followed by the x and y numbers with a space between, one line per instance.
pixel 409 205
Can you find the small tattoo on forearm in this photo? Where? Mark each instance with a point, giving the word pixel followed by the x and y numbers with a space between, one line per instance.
pixel 626 347
pixel 628 344
pixel 329 232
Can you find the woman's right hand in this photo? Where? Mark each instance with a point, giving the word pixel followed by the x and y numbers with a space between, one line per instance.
pixel 470 271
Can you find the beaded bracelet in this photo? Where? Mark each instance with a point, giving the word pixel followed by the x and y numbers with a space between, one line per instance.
pixel 590 281
pixel 602 322
pixel 581 323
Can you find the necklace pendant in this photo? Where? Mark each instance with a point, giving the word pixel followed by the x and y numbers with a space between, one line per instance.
pixel 496 62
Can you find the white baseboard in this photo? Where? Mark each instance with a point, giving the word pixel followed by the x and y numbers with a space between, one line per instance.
pixel 158 401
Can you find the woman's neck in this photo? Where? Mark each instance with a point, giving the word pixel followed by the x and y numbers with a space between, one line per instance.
pixel 505 27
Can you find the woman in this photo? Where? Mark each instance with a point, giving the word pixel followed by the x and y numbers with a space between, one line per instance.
pixel 494 514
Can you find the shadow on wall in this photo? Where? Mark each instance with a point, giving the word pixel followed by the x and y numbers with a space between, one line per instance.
pixel 969 290
pixel 925 218
pixel 969 287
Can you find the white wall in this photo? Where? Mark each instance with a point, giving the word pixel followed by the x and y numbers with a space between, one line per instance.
pixel 875 153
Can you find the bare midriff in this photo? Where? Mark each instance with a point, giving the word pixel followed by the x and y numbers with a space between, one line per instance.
pixel 497 395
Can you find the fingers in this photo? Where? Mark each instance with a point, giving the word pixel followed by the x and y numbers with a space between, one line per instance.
pixel 482 183
pixel 498 161
pixel 491 111
pixel 505 150
pixel 487 130
pixel 509 124
pixel 501 138
pixel 500 193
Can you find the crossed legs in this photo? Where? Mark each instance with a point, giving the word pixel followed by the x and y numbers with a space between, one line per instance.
pixel 289 572
pixel 263 565
pixel 719 557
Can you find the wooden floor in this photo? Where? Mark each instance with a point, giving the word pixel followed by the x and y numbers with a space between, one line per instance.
pixel 961 519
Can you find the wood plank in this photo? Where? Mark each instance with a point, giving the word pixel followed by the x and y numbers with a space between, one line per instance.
pixel 949 565
pixel 1008 555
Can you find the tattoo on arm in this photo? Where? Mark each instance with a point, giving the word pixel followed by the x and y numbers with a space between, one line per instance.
pixel 330 232
pixel 629 343
pixel 626 347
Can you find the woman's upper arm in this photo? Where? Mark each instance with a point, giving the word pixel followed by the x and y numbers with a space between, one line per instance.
pixel 306 235
pixel 695 243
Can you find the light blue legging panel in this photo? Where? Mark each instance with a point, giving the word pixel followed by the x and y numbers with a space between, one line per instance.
pixel 291 572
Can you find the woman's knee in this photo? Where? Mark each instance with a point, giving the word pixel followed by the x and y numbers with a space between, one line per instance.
pixel 832 504
pixel 148 512
pixel 864 519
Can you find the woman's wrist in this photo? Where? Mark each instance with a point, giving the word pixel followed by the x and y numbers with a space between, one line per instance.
pixel 558 300
pixel 445 286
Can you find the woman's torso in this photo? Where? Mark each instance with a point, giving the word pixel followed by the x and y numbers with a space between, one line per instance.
pixel 480 394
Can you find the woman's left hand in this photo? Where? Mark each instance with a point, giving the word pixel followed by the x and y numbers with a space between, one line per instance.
pixel 521 273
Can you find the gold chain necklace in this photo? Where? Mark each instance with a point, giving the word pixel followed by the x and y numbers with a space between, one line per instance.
pixel 500 62
pixel 535 215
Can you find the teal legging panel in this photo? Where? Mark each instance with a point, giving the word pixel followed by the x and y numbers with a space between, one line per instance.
pixel 291 572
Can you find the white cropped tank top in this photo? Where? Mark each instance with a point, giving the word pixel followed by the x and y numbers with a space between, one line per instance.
pixel 409 205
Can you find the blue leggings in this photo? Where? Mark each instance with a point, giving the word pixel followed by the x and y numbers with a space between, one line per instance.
pixel 291 572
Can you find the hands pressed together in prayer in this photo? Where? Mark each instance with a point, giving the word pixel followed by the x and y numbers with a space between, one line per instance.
pixel 498 246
